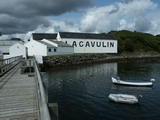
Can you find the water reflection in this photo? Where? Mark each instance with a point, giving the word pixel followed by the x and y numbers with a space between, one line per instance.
pixel 82 91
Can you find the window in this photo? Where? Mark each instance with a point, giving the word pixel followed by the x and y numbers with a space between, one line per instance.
pixel 49 50
pixel 55 50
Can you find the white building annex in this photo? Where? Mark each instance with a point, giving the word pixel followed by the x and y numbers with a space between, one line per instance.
pixel 17 50
pixel 89 42
pixel 47 45
pixel 6 44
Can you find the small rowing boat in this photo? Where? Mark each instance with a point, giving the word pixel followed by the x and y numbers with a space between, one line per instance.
pixel 124 98
pixel 132 83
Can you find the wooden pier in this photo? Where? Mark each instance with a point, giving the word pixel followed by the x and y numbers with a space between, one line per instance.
pixel 21 96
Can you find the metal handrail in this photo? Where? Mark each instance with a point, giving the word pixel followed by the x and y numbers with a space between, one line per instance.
pixel 7 64
pixel 4 62
pixel 44 111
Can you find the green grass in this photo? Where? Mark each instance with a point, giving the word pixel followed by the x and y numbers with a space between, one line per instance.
pixel 137 42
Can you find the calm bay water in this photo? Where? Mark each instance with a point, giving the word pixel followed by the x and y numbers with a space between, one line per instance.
pixel 82 91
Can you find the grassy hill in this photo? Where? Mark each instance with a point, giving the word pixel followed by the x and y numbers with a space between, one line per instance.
pixel 137 42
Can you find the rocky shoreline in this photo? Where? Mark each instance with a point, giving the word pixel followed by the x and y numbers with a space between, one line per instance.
pixel 78 59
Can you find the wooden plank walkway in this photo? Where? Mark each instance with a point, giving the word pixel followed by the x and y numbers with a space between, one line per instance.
pixel 18 97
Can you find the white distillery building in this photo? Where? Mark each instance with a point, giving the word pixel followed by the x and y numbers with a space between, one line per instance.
pixel 64 42
pixel 89 42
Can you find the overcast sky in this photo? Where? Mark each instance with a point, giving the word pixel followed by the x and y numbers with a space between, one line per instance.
pixel 20 17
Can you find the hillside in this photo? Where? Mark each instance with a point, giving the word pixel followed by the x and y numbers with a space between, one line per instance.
pixel 137 42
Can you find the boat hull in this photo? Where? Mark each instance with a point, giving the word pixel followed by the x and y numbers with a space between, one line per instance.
pixel 123 98
pixel 121 82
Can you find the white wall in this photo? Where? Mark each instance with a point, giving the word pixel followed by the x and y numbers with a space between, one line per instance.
pixel 52 52
pixel 65 50
pixel 60 51
pixel 17 50
pixel 6 56
pixel 39 59
pixel 36 48
pixel 92 45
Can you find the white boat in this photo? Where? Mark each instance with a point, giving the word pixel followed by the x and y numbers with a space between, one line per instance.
pixel 124 98
pixel 133 83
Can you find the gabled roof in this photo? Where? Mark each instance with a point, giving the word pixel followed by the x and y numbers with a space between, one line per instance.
pixel 9 42
pixel 60 43
pixel 40 36
pixel 18 43
pixel 47 44
pixel 86 35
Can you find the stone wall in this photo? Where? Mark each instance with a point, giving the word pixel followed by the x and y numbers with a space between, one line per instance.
pixel 77 59
pixel 65 60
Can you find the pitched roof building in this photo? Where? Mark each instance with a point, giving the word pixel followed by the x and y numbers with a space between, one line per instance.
pixel 89 42
pixel 46 47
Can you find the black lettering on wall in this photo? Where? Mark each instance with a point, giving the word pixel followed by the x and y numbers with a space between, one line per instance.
pixel 111 44
pixel 98 44
pixel 103 44
pixel 81 43
pixel 74 44
pixel 87 44
pixel 92 44
pixel 107 44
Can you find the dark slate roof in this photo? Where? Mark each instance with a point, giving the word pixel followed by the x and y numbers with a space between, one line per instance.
pixel 9 42
pixel 103 36
pixel 18 39
pixel 40 36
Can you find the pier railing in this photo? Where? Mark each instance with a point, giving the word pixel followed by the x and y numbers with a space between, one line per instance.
pixel 7 64
pixel 44 111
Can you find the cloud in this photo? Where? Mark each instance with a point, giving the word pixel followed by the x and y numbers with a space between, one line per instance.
pixel 130 15
pixel 55 26
pixel 143 24
pixel 28 8
pixel 27 16
pixel 99 19
pixel 20 16
pixel 11 25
